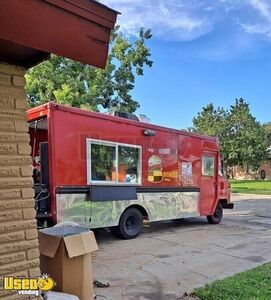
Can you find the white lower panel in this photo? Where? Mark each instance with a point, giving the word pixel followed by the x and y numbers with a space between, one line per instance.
pixel 159 206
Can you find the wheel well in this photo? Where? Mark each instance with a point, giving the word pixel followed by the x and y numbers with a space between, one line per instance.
pixel 141 209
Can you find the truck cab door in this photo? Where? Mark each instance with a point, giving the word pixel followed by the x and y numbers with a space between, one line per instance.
pixel 208 189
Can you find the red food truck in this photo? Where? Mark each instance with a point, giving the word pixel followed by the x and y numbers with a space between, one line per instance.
pixel 100 170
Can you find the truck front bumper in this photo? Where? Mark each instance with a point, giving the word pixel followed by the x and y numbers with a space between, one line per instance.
pixel 228 206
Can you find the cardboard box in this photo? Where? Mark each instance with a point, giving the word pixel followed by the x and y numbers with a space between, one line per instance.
pixel 65 254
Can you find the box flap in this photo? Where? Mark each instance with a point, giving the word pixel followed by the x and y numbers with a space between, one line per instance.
pixel 80 244
pixel 89 241
pixel 48 244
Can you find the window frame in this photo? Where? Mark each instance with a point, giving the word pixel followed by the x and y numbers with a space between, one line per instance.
pixel 90 141
pixel 202 165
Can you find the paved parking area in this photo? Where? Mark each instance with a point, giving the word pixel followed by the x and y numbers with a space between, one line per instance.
pixel 171 258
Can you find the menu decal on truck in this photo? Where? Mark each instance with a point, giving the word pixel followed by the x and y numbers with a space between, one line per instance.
pixel 164 151
pixel 170 174
pixel 186 173
pixel 156 172
pixel 155 169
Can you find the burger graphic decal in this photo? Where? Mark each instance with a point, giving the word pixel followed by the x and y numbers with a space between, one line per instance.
pixel 155 169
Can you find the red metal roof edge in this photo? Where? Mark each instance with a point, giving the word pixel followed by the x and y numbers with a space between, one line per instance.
pixel 107 7
pixel 77 29
pixel 55 106
pixel 82 10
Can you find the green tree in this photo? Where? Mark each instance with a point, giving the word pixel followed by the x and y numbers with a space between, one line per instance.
pixel 210 121
pixel 243 140
pixel 69 82
pixel 267 127
pixel 247 143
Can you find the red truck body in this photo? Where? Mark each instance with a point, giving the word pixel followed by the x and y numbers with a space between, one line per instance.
pixel 168 160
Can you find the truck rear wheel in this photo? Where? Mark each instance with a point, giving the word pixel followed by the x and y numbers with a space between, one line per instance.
pixel 217 216
pixel 130 224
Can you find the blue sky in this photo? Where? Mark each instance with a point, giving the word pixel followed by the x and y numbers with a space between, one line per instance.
pixel 203 51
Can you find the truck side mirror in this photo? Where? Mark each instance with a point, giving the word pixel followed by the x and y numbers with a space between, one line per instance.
pixel 222 167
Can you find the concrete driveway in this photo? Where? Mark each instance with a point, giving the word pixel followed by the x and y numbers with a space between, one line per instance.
pixel 171 258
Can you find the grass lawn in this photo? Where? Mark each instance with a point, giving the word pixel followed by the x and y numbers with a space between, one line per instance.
pixel 254 284
pixel 262 187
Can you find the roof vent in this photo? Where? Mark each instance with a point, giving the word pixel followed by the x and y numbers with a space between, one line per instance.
pixel 126 115
pixel 144 118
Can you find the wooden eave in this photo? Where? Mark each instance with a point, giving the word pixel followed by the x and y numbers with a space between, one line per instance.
pixel 32 29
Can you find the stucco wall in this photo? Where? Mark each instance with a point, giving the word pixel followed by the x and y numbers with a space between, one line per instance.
pixel 19 255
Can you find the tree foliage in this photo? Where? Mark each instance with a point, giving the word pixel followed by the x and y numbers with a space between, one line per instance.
pixel 243 140
pixel 267 127
pixel 211 121
pixel 69 82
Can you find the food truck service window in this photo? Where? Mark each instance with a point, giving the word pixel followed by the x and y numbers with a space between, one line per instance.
pixel 113 163
pixel 208 166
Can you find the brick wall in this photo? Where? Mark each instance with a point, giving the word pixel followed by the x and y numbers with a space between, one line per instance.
pixel 19 255
pixel 239 173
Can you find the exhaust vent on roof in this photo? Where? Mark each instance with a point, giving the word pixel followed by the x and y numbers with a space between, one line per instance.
pixel 125 115
pixel 144 118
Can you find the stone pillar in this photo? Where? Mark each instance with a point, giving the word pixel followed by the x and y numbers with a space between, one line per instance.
pixel 19 254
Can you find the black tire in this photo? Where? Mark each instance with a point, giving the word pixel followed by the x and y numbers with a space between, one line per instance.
pixel 130 224
pixel 217 216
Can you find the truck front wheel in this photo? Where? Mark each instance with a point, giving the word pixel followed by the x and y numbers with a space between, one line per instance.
pixel 217 216
pixel 130 224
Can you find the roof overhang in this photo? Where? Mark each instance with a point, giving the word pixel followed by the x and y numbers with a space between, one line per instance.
pixel 78 29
